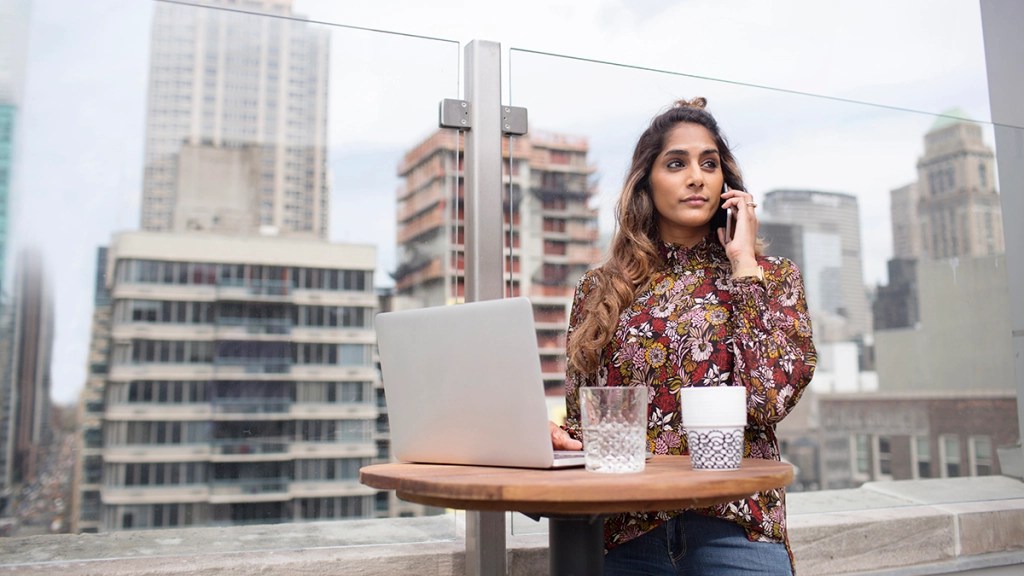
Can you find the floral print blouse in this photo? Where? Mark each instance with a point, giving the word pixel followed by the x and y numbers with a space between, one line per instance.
pixel 694 326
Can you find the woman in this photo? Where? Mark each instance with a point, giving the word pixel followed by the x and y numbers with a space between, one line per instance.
pixel 680 304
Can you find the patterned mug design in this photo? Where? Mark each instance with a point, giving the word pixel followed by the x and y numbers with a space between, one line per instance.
pixel 715 448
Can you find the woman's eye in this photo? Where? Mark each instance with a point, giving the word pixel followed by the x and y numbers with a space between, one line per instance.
pixel 674 164
pixel 711 164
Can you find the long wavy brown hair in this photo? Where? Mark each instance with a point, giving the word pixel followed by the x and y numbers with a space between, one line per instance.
pixel 634 256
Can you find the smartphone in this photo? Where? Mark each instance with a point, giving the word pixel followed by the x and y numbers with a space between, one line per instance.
pixel 721 218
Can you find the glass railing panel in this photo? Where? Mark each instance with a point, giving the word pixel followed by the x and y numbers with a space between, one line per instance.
pixel 893 216
pixel 203 271
pixel 356 193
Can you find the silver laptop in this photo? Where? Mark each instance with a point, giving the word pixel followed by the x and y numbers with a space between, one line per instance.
pixel 463 386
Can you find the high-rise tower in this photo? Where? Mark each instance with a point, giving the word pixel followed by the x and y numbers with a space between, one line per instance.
pixel 832 265
pixel 906 226
pixel 13 52
pixel 952 211
pixel 236 121
pixel 958 206
pixel 27 407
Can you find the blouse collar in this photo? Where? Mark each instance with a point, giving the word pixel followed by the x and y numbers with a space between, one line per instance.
pixel 706 251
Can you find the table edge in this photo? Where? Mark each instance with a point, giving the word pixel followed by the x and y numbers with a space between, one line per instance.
pixel 774 474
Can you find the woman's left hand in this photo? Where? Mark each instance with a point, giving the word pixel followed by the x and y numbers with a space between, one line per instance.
pixel 560 439
pixel 740 248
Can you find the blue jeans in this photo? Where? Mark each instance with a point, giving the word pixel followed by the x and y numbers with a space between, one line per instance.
pixel 694 545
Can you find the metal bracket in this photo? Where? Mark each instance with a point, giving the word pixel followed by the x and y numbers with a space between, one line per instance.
pixel 454 114
pixel 513 121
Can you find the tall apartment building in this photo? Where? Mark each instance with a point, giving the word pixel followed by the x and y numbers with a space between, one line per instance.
pixel 895 304
pixel 236 125
pixel 905 223
pixel 958 207
pixel 6 410
pixel 832 266
pixel 239 383
pixel 26 418
pixel 88 472
pixel 8 112
pixel 14 27
pixel 550 230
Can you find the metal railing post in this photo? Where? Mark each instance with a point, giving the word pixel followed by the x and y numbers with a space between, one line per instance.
pixel 483 213
pixel 485 531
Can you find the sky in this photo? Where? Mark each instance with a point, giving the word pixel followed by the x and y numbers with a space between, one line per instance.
pixel 832 96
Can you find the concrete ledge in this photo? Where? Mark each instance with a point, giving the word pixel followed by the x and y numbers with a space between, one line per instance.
pixel 967 526
pixel 939 526
pixel 851 542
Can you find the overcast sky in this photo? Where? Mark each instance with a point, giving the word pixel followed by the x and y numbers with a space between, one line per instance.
pixel 79 165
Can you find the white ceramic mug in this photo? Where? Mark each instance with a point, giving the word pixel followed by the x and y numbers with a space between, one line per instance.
pixel 714 418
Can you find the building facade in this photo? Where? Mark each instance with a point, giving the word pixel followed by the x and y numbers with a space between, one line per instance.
pixel 238 385
pixel 14 29
pixel 8 113
pixel 87 478
pixel 28 406
pixel 236 121
pixel 905 223
pixel 895 305
pixel 7 398
pixel 832 264
pixel 960 339
pixel 857 438
pixel 783 239
pixel 550 229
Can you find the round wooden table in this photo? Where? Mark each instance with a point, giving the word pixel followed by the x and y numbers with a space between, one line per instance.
pixel 575 500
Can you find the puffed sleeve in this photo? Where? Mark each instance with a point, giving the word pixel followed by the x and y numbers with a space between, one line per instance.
pixel 772 346
pixel 574 379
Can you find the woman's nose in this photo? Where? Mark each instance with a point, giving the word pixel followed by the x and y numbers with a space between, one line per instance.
pixel 694 178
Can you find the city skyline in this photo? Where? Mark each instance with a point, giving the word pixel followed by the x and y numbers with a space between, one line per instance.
pixel 104 194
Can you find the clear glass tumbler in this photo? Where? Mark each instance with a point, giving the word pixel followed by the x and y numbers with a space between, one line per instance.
pixel 614 428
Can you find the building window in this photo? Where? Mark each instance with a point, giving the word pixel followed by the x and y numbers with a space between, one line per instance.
pixel 980 448
pixel 355 391
pixel 862 456
pixel 949 455
pixel 883 457
pixel 559 157
pixel 354 355
pixel 922 457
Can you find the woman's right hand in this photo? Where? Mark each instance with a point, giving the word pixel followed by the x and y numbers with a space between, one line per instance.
pixel 560 439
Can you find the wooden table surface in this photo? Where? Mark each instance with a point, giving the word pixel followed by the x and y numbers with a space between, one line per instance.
pixel 667 483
